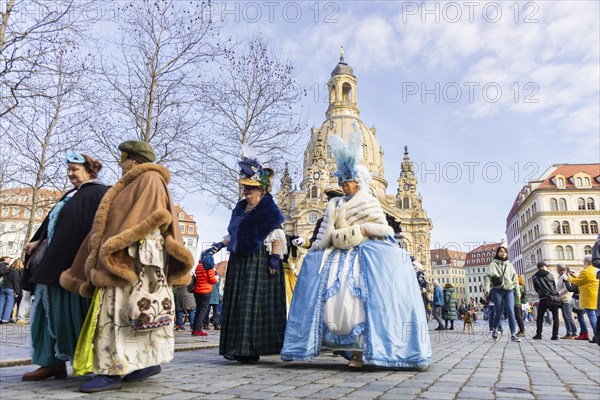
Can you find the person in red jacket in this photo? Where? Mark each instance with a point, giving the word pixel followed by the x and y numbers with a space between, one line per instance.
pixel 205 279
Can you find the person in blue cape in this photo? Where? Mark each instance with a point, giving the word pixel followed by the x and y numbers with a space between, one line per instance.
pixel 357 293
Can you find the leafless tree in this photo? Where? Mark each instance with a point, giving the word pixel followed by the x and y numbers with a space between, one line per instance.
pixel 254 100
pixel 37 134
pixel 28 32
pixel 146 80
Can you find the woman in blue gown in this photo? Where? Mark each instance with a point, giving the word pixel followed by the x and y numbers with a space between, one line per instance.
pixel 357 293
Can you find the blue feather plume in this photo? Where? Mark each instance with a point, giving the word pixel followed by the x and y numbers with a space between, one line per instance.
pixel 346 154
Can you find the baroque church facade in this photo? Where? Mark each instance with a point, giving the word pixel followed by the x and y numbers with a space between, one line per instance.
pixel 303 206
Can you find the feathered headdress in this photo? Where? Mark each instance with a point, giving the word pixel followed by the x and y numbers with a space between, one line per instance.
pixel 252 173
pixel 346 158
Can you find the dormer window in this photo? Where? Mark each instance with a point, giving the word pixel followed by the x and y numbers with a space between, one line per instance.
pixel 560 182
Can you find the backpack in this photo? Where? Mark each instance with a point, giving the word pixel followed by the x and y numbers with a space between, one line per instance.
pixel 192 285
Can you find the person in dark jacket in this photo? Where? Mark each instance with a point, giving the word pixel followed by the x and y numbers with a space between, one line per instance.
pixel 449 309
pixel 57 315
pixel 10 291
pixel 544 285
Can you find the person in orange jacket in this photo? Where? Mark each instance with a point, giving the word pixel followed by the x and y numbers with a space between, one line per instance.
pixel 205 279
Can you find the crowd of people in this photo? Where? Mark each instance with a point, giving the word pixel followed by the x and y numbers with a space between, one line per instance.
pixel 111 280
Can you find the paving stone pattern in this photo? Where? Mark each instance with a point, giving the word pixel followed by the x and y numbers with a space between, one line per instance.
pixel 464 367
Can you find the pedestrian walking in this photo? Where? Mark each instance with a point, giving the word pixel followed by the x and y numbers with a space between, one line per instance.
pixel 131 260
pixel 566 296
pixel 57 315
pixel 356 293
pixel 588 291
pixel 254 311
pixel 503 278
pixel 543 283
pixel 438 304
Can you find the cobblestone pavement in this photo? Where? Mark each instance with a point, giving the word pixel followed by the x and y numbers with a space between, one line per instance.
pixel 464 367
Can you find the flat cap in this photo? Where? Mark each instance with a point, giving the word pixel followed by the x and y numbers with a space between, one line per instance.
pixel 138 150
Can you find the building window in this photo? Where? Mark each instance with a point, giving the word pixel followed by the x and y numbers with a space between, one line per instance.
pixel 190 242
pixel 587 250
pixel 590 204
pixel 361 152
pixel 556 227
pixel 38 213
pixel 585 228
pixel 594 227
pixel 586 181
pixel 4 212
pixel 314 192
pixel 560 182
pixel 562 205
pixel 566 229
pixel 560 253
pixel 569 253
pixel 180 216
pixel 27 213
pixel 578 182
pixel 312 218
pixel 406 203
pixel 182 228
pixel 580 204
pixel 329 152
pixel 553 205
pixel 15 211
pixel 190 230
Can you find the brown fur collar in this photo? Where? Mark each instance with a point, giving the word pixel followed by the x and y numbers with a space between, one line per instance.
pixel 107 262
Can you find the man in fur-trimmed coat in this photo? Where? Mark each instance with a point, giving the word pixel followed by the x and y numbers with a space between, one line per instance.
pixel 134 249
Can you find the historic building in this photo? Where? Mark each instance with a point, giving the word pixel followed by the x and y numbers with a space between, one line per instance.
pixel 305 205
pixel 188 229
pixel 447 266
pixel 15 214
pixel 557 217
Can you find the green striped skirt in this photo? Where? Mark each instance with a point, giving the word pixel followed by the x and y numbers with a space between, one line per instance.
pixel 254 314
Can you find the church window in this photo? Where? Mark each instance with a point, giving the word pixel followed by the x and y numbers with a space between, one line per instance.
pixel 553 205
pixel 312 218
pixel 314 192
pixel 329 152
pixel 361 152
pixel 580 204
pixel 594 227
pixel 569 253
pixel 562 205
pixel 346 92
pixel 332 94
pixel 406 203
pixel 590 204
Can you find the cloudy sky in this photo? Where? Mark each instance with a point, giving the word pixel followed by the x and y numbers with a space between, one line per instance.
pixel 486 95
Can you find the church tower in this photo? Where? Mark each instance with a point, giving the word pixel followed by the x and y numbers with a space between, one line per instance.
pixel 305 206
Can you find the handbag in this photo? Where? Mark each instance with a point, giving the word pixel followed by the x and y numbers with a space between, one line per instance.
pixel 35 260
pixel 554 300
pixel 151 303
pixel 497 280
pixel 191 287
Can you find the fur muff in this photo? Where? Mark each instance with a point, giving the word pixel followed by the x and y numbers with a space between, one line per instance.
pixel 130 210
pixel 362 210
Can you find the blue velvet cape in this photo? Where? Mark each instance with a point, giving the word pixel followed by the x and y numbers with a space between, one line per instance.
pixel 248 230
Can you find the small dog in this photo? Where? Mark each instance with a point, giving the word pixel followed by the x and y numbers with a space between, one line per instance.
pixel 468 322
